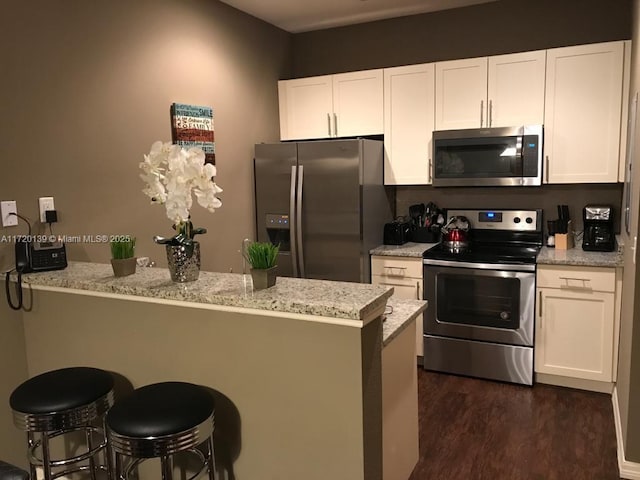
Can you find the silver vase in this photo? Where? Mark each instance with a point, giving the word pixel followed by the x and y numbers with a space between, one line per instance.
pixel 183 262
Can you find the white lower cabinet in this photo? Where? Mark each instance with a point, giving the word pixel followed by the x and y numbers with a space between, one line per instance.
pixel 404 274
pixel 575 322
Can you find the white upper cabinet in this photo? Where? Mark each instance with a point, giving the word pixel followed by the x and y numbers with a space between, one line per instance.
pixel 498 91
pixel 408 124
pixel 357 103
pixel 305 107
pixel 342 105
pixel 515 89
pixel 461 93
pixel 582 113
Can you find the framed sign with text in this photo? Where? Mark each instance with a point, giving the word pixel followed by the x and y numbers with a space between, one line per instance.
pixel 192 126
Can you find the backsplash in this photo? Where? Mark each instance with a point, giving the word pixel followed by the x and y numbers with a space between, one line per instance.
pixel 546 197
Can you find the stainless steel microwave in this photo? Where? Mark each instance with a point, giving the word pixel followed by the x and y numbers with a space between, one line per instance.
pixel 510 156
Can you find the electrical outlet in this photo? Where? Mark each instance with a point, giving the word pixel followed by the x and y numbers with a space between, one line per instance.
pixel 45 203
pixel 6 208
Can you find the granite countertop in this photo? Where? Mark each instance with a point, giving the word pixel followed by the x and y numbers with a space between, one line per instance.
pixel 402 314
pixel 345 300
pixel 578 257
pixel 410 249
pixel 547 256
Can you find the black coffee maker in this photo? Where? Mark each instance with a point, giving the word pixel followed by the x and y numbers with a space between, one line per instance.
pixel 599 235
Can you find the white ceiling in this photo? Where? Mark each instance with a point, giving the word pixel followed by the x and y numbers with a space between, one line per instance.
pixel 304 15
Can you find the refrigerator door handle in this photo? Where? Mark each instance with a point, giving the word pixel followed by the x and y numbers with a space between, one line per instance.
pixel 299 221
pixel 292 216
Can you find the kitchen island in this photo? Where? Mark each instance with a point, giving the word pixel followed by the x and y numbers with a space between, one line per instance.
pixel 296 369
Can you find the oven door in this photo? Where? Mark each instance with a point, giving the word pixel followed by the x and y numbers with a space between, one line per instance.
pixel 484 302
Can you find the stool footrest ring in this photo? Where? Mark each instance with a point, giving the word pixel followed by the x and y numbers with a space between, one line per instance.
pixel 35 460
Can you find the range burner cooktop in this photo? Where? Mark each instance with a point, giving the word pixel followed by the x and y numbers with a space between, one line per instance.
pixel 505 236
pixel 485 254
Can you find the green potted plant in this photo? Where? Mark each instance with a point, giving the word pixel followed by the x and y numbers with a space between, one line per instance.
pixel 123 260
pixel 263 256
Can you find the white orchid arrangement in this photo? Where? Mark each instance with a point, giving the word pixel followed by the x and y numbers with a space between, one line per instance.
pixel 172 176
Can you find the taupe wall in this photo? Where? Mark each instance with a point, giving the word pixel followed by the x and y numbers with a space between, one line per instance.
pixel 86 88
pixel 505 26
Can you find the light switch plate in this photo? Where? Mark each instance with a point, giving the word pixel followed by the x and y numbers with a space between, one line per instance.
pixel 6 208
pixel 45 203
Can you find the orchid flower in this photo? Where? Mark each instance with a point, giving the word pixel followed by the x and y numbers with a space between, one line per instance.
pixel 172 175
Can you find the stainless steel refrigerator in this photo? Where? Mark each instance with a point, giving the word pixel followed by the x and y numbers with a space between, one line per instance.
pixel 325 204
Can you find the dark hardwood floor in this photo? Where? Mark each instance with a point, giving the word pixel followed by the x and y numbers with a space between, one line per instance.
pixel 474 429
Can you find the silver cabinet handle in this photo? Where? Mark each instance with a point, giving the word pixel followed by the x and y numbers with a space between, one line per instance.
pixel 575 279
pixel 335 125
pixel 395 271
pixel 540 306
pixel 481 112
pixel 299 221
pixel 292 219
pixel 417 290
pixel 329 124
pixel 490 113
pixel 430 173
pixel 546 167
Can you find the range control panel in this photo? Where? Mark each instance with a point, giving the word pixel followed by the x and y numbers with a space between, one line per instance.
pixel 490 219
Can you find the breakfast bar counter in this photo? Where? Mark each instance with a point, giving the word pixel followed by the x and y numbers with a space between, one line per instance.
pixel 321 298
pixel 296 370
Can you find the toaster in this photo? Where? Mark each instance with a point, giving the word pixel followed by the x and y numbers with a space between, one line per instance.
pixel 396 233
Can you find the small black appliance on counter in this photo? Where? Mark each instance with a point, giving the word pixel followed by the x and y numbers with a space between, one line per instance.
pixel 396 233
pixel 599 235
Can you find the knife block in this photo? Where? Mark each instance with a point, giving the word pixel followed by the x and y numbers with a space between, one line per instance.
pixel 564 241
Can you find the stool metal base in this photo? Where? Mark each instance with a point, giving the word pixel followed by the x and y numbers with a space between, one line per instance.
pixel 54 424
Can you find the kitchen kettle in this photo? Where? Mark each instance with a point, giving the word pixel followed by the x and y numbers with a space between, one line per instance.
pixel 456 234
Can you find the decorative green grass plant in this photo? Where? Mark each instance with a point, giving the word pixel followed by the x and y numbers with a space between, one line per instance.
pixel 123 247
pixel 262 255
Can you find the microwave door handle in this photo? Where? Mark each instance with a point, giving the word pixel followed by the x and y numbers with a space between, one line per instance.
pixel 299 221
pixel 490 113
pixel 519 148
pixel 292 220
pixel 481 112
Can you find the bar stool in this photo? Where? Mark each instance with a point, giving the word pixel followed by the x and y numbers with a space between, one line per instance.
pixel 11 472
pixel 58 403
pixel 158 421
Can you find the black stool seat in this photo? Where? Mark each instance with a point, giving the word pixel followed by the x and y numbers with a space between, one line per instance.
pixel 161 409
pixel 59 403
pixel 61 390
pixel 10 472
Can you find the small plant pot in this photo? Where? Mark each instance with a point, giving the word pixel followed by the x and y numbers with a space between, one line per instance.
pixel 123 266
pixel 263 278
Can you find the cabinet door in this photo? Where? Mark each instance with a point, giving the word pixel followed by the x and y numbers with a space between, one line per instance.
pixel 582 113
pixel 516 89
pixel 574 334
pixel 357 103
pixel 306 107
pixel 461 94
pixel 410 289
pixel 408 124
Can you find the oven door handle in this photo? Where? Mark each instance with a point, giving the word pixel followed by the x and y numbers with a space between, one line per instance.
pixel 481 266
pixel 540 307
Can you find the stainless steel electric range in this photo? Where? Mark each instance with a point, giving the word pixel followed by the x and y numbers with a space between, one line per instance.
pixel 481 312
